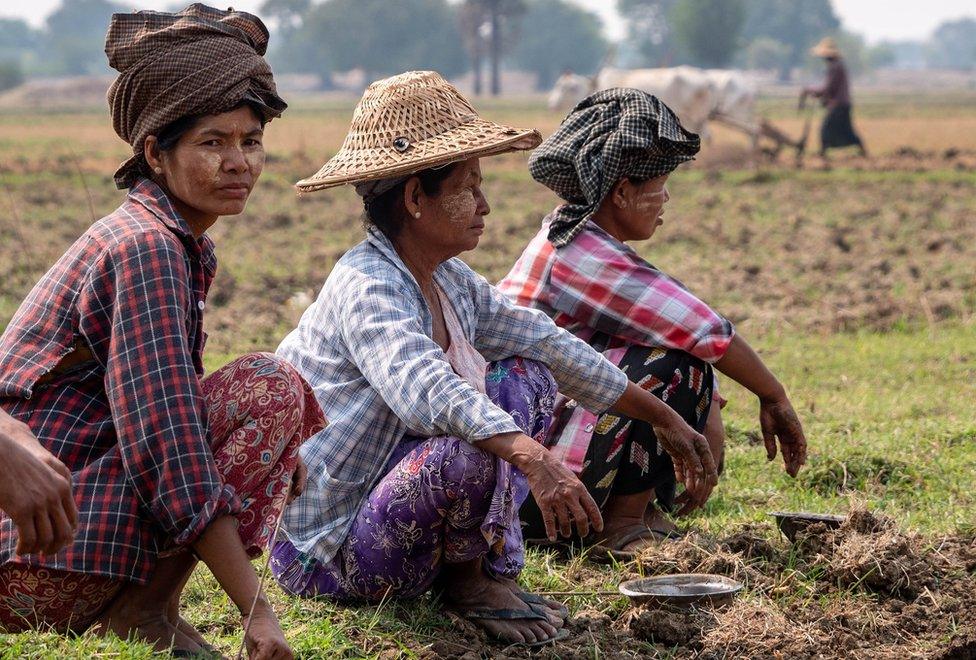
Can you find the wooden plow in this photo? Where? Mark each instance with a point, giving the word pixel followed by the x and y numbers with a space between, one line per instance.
pixel 765 129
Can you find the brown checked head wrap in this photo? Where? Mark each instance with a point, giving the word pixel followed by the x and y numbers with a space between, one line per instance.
pixel 173 65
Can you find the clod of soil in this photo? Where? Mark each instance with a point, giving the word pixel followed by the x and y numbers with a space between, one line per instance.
pixel 672 628
pixel 886 562
pixel 750 541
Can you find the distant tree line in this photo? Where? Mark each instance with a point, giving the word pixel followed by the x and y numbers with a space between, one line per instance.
pixel 763 34
pixel 382 37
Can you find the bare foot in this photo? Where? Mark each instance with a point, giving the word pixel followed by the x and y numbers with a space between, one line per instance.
pixel 150 626
pixel 184 626
pixel 191 633
pixel 467 587
pixel 616 526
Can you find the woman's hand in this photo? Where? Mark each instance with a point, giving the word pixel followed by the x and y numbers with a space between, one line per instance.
pixel 777 419
pixel 561 496
pixel 264 639
pixel 715 434
pixel 693 462
pixel 694 465
pixel 220 548
pixel 35 491
pixel 298 481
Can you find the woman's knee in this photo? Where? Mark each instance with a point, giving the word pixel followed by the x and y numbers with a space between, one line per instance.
pixel 275 379
pixel 463 466
pixel 265 384
pixel 527 369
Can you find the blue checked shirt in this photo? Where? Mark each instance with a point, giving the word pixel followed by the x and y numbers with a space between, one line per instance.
pixel 365 345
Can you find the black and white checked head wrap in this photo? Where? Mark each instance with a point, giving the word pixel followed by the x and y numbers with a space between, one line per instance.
pixel 611 134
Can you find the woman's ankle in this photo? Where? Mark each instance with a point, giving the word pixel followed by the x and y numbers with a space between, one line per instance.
pixel 623 510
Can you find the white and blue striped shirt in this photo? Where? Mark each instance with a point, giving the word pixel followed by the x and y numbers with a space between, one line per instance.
pixel 365 346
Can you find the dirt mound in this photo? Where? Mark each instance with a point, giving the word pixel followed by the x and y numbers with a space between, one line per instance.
pixel 672 628
pixel 864 590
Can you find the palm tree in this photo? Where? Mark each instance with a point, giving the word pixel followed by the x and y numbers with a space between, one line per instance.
pixel 471 18
pixel 497 18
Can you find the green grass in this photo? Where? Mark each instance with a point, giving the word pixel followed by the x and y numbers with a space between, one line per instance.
pixel 891 410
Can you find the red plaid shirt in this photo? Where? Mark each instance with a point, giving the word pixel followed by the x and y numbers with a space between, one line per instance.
pixel 130 424
pixel 599 289
pixel 596 284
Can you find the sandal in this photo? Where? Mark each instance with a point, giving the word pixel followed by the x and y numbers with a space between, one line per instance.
pixel 537 602
pixel 614 544
pixel 508 614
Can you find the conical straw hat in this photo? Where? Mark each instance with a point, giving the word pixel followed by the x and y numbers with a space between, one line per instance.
pixel 826 48
pixel 409 123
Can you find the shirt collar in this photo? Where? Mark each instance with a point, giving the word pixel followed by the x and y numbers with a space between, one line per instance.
pixel 154 199
pixel 591 226
pixel 150 195
pixel 384 245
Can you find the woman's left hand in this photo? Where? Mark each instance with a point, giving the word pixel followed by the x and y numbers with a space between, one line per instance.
pixel 264 639
pixel 778 420
pixel 298 481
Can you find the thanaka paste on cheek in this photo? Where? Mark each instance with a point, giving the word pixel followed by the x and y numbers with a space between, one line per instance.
pixel 460 207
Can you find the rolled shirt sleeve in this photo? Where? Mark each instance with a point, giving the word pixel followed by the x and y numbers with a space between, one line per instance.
pixel 616 292
pixel 154 392
pixel 383 331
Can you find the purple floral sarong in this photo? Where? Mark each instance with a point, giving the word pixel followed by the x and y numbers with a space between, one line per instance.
pixel 442 500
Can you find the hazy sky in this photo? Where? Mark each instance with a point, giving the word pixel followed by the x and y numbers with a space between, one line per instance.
pixel 875 19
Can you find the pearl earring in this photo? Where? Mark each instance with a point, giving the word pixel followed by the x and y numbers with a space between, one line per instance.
pixel 158 170
pixel 417 215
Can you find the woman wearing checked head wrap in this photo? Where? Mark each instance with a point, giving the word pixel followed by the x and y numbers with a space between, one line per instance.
pixel 103 361
pixel 609 161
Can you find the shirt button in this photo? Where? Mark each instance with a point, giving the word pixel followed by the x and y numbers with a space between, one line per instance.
pixel 201 305
pixel 589 428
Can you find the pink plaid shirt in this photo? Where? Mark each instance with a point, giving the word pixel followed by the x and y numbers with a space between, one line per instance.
pixel 598 285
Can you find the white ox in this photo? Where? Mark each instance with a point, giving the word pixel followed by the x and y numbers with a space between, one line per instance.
pixel 695 95
pixel 737 93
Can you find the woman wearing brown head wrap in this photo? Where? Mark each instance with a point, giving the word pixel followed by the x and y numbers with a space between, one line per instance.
pixel 103 361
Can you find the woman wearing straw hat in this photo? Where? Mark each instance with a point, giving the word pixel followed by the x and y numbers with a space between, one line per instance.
pixel 103 361
pixel 609 160
pixel 835 94
pixel 439 391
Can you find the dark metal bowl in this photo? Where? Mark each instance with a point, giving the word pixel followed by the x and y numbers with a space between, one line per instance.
pixel 681 590
pixel 791 522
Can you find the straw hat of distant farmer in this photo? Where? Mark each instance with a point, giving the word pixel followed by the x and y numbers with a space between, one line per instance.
pixel 826 48
pixel 411 122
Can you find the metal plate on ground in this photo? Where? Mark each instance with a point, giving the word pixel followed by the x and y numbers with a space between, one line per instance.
pixel 682 590
pixel 791 522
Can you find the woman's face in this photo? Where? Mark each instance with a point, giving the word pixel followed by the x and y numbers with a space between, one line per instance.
pixel 452 221
pixel 640 214
pixel 212 169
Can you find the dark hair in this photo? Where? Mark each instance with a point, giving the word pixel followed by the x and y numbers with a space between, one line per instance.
pixel 169 136
pixel 387 213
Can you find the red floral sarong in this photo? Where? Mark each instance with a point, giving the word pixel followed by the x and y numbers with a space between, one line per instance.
pixel 260 412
